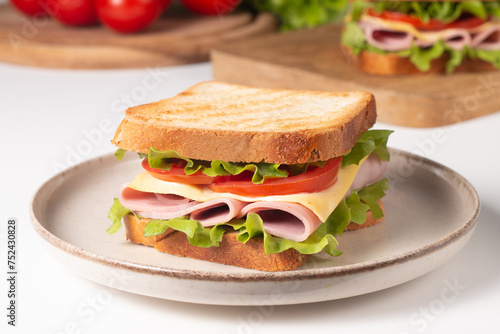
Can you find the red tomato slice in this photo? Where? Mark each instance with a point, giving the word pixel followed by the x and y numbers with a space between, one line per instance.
pixel 176 174
pixel 311 181
pixel 433 24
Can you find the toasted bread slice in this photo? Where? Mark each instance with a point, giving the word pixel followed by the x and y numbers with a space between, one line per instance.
pixel 135 227
pixel 370 221
pixel 390 64
pixel 215 120
pixel 250 255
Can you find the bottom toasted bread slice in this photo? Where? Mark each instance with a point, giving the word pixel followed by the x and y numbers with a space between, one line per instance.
pixel 370 221
pixel 393 64
pixel 230 251
pixel 250 255
pixel 134 231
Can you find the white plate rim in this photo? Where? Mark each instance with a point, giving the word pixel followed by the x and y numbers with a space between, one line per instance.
pixel 321 273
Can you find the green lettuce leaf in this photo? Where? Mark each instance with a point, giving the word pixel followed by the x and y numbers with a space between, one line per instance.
pixel 353 37
pixel 299 14
pixel 444 11
pixel 120 153
pixel 197 235
pixel 422 58
pixel 371 141
pixel 491 56
pixel 261 171
pixel 116 213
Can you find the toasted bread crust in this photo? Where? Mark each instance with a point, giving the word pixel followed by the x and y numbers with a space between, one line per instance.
pixel 250 255
pixel 318 134
pixel 392 64
pixel 370 221
pixel 134 228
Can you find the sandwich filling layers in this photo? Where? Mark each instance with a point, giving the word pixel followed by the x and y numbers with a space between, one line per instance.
pixel 424 31
pixel 305 221
pixel 294 216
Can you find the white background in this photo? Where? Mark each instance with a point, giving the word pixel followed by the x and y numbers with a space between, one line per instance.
pixel 46 115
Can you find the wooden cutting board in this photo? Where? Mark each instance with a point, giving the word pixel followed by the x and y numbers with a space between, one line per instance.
pixel 179 37
pixel 312 59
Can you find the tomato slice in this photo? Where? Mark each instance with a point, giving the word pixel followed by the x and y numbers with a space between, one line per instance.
pixel 176 174
pixel 433 24
pixel 311 181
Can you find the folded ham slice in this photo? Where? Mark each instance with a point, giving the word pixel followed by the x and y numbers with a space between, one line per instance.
pixel 385 38
pixel 488 39
pixel 286 220
pixel 160 206
pixel 456 39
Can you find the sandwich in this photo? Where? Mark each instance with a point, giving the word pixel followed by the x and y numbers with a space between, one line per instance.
pixel 409 37
pixel 251 177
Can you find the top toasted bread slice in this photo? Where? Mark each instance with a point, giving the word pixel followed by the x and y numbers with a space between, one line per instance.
pixel 216 120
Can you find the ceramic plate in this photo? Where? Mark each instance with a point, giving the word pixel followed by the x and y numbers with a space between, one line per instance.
pixel 431 213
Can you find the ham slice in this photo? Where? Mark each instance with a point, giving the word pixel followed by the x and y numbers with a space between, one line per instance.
pixel 385 38
pixel 488 39
pixel 371 171
pixel 160 206
pixel 456 39
pixel 286 220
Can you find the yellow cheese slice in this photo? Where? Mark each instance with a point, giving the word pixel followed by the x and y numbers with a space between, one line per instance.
pixel 321 203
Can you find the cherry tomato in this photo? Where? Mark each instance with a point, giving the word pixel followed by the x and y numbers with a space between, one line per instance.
pixel 176 174
pixel 165 4
pixel 433 24
pixel 211 7
pixel 30 7
pixel 73 12
pixel 311 181
pixel 129 16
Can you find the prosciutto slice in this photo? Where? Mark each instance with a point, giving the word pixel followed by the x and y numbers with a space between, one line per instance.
pixel 488 39
pixel 160 206
pixel 286 220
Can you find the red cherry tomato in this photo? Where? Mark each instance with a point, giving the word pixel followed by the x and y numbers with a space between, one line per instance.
pixel 211 7
pixel 129 16
pixel 311 181
pixel 433 24
pixel 176 174
pixel 73 12
pixel 165 4
pixel 30 7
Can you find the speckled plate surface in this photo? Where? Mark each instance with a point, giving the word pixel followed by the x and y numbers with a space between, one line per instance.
pixel 431 213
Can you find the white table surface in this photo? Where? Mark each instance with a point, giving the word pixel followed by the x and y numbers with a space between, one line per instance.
pixel 45 116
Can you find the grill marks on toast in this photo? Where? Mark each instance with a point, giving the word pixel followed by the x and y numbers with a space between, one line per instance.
pixel 214 120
